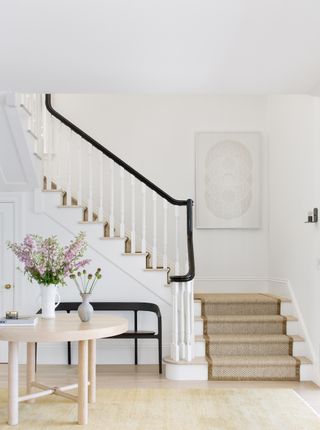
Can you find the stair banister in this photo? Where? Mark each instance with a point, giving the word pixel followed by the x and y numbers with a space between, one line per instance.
pixel 182 344
pixel 188 203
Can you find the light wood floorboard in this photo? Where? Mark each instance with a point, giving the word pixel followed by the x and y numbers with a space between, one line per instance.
pixel 146 376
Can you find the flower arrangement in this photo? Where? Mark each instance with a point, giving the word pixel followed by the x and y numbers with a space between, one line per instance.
pixel 46 261
pixel 86 282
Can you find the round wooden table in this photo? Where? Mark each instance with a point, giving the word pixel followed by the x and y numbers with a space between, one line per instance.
pixel 65 327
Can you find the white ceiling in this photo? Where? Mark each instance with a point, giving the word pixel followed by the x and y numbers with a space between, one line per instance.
pixel 166 46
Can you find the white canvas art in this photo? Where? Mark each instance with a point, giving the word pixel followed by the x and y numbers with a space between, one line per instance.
pixel 228 180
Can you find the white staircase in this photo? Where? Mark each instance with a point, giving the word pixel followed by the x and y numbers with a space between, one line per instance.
pixel 128 220
pixel 130 226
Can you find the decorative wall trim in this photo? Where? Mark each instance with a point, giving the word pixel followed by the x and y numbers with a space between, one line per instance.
pixel 286 285
pixel 19 228
pixel 110 261
pixel 24 149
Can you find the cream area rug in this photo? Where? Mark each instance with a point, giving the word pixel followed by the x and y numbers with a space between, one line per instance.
pixel 172 409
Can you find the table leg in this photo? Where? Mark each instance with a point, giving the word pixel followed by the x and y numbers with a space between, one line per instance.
pixel 31 359
pixel 83 382
pixel 92 370
pixel 13 384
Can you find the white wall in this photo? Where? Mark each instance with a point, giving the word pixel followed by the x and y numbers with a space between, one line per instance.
pixel 155 135
pixel 18 166
pixel 150 132
pixel 294 252
pixel 116 284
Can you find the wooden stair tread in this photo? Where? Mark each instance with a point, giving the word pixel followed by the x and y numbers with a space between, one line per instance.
pixel 235 298
pixel 248 338
pixel 245 318
pixel 114 238
pixel 91 222
pixel 253 360
pixel 135 254
pixel 303 360
pixel 70 207
pixel 158 269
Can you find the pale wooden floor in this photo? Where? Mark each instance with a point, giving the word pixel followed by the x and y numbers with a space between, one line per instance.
pixel 146 376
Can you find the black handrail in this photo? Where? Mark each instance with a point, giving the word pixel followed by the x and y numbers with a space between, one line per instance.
pixel 188 203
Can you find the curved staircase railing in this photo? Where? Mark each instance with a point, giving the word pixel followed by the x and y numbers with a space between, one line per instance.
pixel 76 163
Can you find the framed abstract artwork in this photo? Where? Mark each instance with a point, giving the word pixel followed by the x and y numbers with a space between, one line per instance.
pixel 228 180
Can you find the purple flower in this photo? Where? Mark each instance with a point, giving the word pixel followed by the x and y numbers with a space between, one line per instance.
pixel 46 261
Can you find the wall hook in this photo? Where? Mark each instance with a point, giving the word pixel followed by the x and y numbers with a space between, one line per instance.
pixel 312 216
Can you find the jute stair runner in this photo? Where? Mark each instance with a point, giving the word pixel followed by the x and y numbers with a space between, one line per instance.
pixel 246 338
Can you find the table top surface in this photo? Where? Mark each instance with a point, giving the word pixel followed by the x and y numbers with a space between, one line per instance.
pixel 66 327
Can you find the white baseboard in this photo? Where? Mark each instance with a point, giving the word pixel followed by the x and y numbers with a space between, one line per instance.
pixel 283 287
pixel 186 372
pixel 120 351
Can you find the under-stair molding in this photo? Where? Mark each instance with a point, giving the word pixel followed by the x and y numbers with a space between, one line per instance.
pixel 128 206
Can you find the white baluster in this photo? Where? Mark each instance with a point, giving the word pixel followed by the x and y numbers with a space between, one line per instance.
pixel 49 151
pixel 186 267
pixel 42 126
pixel 100 210
pixel 154 246
pixel 27 100
pixel 175 323
pixel 30 103
pixel 80 174
pixel 133 216
pixel 22 99
pixel 122 226
pixel 192 334
pixel 44 148
pixel 189 325
pixel 34 118
pixel 58 179
pixel 69 168
pixel 182 345
pixel 90 185
pixel 143 240
pixel 177 260
pixel 32 106
pixel 42 114
pixel 111 216
pixel 33 122
pixel 165 234
pixel 38 117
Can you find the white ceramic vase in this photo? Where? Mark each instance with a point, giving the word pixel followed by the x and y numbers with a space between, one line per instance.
pixel 85 310
pixel 49 299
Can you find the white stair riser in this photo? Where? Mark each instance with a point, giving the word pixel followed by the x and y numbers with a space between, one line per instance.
pixel 197 308
pixel 186 372
pixel 299 348
pixel 112 249
pixel 200 348
pixel 52 199
pixel 286 308
pixel 292 327
pixel 306 372
pixel 69 214
pixel 198 327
